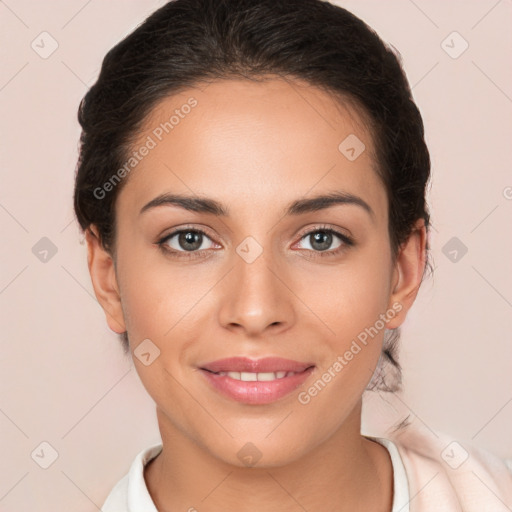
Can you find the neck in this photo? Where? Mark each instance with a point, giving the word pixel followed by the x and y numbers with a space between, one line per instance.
pixel 346 472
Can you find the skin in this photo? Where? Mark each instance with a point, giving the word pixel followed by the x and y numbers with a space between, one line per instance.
pixel 256 147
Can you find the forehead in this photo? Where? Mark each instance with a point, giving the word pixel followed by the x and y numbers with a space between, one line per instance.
pixel 257 142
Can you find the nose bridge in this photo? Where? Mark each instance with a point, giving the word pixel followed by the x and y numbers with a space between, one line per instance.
pixel 255 264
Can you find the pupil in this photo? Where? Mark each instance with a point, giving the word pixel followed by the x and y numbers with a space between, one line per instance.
pixel 192 238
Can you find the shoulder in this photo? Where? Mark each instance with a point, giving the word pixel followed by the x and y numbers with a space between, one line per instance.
pixel 130 494
pixel 448 474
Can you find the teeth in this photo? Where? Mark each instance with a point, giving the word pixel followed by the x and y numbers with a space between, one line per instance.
pixel 249 376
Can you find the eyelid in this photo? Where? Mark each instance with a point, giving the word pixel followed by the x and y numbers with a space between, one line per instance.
pixel 326 227
pixel 188 227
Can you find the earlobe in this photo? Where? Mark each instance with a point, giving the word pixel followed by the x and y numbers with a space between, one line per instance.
pixel 408 273
pixel 104 280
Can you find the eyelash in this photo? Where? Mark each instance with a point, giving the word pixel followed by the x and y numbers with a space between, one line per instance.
pixel 346 242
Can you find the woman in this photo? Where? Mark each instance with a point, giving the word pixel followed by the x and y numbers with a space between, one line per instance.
pixel 251 182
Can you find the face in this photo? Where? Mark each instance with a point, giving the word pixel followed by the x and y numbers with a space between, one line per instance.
pixel 278 274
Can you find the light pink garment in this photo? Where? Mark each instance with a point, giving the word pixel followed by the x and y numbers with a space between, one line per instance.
pixel 449 475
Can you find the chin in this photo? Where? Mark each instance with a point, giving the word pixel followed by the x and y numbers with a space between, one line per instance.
pixel 257 454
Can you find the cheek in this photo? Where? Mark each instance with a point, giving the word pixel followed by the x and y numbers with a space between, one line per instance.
pixel 351 308
pixel 349 302
pixel 161 299
pixel 348 297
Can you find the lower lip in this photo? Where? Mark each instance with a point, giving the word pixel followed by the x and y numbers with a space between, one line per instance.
pixel 256 392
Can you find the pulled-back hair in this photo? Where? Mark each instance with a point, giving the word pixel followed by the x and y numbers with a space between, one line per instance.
pixel 187 42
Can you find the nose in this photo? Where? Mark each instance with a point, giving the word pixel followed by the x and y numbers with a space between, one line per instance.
pixel 256 298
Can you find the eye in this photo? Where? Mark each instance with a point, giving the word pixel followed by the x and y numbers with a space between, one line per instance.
pixel 186 242
pixel 190 242
pixel 322 238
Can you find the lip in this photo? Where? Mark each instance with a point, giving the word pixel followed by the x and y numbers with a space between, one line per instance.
pixel 245 364
pixel 256 392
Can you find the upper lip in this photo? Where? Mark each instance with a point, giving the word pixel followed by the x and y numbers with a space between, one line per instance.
pixel 245 364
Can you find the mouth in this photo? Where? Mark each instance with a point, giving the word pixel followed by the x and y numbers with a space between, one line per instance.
pixel 255 377
pixel 263 365
pixel 255 382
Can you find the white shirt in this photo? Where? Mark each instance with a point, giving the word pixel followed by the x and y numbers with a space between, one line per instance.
pixel 430 474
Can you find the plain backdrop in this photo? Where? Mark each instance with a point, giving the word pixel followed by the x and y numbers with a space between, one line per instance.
pixel 65 381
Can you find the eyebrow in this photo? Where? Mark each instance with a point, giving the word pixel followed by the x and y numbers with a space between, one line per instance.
pixel 298 207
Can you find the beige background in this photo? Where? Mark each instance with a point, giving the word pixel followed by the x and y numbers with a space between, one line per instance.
pixel 64 378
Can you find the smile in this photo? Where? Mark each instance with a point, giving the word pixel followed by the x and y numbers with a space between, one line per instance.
pixel 256 388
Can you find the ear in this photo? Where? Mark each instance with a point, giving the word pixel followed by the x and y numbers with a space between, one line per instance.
pixel 104 281
pixel 408 273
